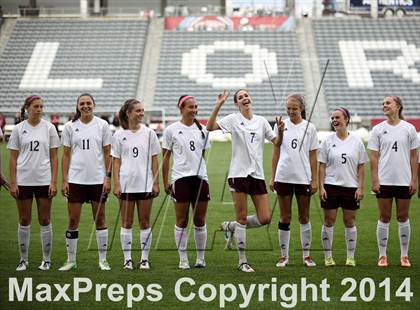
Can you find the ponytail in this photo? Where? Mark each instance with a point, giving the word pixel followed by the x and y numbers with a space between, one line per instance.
pixel 200 127
pixel 77 115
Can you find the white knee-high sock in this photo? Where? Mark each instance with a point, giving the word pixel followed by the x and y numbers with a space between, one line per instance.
pixel 382 232
pixel 71 244
pixel 351 240
pixel 200 237
pixel 306 238
pixel 24 233
pixel 46 242
pixel 181 241
pixel 327 236
pixel 102 241
pixel 252 221
pixel 146 242
pixel 284 238
pixel 240 236
pixel 404 234
pixel 126 238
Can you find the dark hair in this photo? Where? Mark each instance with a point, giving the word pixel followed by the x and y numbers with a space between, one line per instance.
pixel 195 120
pixel 301 100
pixel 26 104
pixel 126 107
pixel 345 112
pixel 77 116
pixel 399 101
pixel 235 96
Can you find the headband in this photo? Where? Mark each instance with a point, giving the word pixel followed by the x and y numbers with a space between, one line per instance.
pixel 32 98
pixel 183 100
pixel 346 113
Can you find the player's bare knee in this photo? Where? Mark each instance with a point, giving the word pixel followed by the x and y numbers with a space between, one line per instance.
pixel 303 219
pixel 264 220
pixel 402 218
pixel 199 222
pixel 183 223
pixel 385 218
pixel 285 219
pixel 144 225
pixel 44 221
pixel 24 221
pixel 73 223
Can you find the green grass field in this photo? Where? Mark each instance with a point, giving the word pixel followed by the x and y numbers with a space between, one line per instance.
pixel 263 252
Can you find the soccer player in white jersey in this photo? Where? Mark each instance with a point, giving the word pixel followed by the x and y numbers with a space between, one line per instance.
pixel 135 149
pixel 393 147
pixel 86 174
pixel 295 168
pixel 341 175
pixel 246 173
pixel 33 172
pixel 187 140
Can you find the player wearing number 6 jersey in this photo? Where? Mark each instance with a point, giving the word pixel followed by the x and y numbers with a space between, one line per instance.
pixel 135 148
pixel 33 172
pixel 86 173
pixel 393 144
pixel 295 167
pixel 341 175
pixel 187 140
pixel 246 173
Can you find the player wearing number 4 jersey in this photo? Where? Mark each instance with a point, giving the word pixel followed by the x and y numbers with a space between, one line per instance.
pixel 134 150
pixel 341 175
pixel 33 171
pixel 393 145
pixel 246 173
pixel 86 173
pixel 187 140
pixel 295 168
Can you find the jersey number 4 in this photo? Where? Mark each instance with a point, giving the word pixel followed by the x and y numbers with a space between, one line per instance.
pixel 395 146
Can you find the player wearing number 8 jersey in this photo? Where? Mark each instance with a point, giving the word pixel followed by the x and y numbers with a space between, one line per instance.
pixel 33 172
pixel 86 173
pixel 135 148
pixel 295 167
pixel 187 140
pixel 393 144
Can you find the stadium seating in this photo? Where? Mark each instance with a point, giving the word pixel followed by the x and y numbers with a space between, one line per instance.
pixel 203 63
pixel 60 59
pixel 368 60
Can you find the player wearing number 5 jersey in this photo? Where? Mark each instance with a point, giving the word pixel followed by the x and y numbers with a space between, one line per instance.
pixel 341 175
pixel 33 172
pixel 86 173
pixel 246 173
pixel 187 140
pixel 135 148
pixel 393 144
pixel 295 167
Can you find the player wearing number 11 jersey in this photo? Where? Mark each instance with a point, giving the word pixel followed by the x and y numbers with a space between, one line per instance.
pixel 393 144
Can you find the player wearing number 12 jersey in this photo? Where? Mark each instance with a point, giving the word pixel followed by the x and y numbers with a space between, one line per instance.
pixel 393 144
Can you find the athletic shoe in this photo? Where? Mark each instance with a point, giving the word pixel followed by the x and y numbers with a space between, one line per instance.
pixel 200 263
pixel 329 262
pixel 144 264
pixel 228 235
pixel 128 264
pixel 350 262
pixel 283 261
pixel 184 264
pixel 103 265
pixel 68 266
pixel 22 266
pixel 245 267
pixel 383 261
pixel 45 265
pixel 405 262
pixel 308 262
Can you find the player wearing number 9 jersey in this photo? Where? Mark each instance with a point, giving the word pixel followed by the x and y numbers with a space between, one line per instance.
pixel 86 174
pixel 135 148
pixel 295 167
pixel 33 172
pixel 187 140
pixel 246 173
pixel 393 144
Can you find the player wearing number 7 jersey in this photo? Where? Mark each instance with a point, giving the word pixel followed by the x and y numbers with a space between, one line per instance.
pixel 393 144
pixel 187 140
pixel 86 173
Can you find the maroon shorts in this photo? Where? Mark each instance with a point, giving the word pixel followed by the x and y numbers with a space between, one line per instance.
pixel 248 185
pixel 137 196
pixel 339 196
pixel 391 191
pixel 28 192
pixel 190 189
pixel 288 189
pixel 81 193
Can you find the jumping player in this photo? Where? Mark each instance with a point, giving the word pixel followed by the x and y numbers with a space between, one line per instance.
pixel 135 148
pixel 33 172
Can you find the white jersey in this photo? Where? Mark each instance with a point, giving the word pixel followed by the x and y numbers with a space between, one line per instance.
pixel 33 144
pixel 394 143
pixel 342 158
pixel 86 142
pixel 248 138
pixel 187 144
pixel 135 149
pixel 294 166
